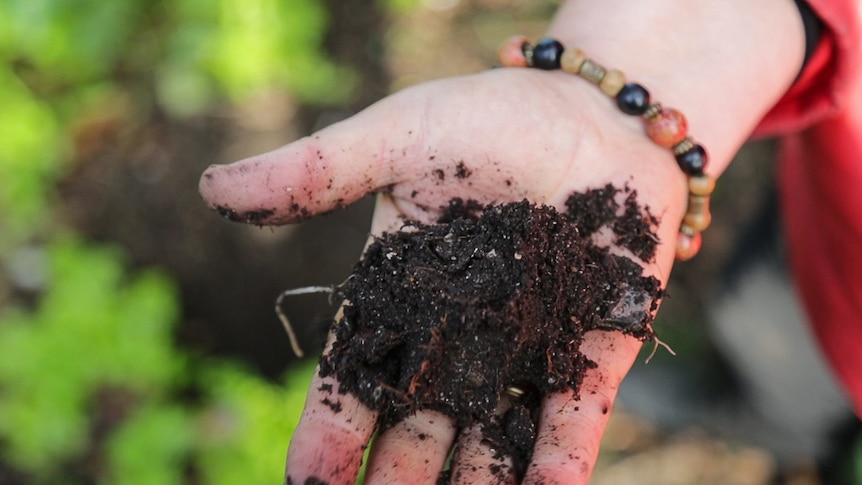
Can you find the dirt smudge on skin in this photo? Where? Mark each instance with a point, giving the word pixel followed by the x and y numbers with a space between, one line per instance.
pixel 256 217
pixel 461 170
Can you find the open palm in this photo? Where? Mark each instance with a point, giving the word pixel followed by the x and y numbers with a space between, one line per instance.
pixel 498 136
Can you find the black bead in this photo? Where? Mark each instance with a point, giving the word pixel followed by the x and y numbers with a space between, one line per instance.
pixel 547 53
pixel 633 99
pixel 693 161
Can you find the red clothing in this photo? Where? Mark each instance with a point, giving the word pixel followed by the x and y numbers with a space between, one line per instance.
pixel 821 187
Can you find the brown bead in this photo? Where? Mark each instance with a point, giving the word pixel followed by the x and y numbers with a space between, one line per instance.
pixel 687 246
pixel 697 220
pixel 701 184
pixel 667 128
pixel 612 83
pixel 697 204
pixel 571 60
pixel 592 72
pixel 511 53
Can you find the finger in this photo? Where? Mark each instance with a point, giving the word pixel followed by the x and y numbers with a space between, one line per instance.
pixel 329 442
pixel 570 430
pixel 319 173
pixel 412 451
pixel 477 461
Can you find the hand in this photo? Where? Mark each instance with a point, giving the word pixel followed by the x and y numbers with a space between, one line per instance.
pixel 521 134
pixel 518 133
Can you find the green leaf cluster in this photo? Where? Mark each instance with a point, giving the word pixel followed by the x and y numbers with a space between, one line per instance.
pixel 91 330
pixel 240 47
pixel 99 329
pixel 248 424
pixel 64 59
pixel 31 142
pixel 89 372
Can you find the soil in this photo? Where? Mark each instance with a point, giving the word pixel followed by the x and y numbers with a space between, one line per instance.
pixel 489 307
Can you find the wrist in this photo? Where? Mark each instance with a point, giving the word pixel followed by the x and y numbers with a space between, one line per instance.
pixel 723 64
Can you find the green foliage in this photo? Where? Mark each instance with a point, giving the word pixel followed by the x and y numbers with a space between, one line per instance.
pixel 70 41
pixel 61 58
pixel 30 142
pixel 151 447
pixel 247 428
pixel 99 331
pixel 242 46
pixel 399 5
pixel 91 330
pixel 251 45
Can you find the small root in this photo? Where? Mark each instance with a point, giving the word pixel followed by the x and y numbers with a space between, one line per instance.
pixel 658 342
pixel 291 335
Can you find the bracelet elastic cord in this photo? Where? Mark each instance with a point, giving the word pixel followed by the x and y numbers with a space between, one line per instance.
pixel 666 127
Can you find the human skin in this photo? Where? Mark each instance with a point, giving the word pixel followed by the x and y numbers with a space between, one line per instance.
pixel 530 134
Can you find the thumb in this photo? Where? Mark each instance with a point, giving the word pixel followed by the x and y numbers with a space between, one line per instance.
pixel 316 174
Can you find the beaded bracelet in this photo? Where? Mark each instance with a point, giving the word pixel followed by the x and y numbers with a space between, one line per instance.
pixel 666 127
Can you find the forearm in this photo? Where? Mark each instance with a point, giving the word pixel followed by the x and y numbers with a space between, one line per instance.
pixel 723 64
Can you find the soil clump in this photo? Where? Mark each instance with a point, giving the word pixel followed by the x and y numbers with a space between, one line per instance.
pixel 490 307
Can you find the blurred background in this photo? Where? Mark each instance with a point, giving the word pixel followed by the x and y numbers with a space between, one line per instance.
pixel 138 337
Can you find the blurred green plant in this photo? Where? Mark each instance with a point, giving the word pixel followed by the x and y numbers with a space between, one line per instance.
pixel 89 376
pixel 401 6
pixel 246 429
pixel 99 346
pixel 91 330
pixel 240 47
pixel 30 145
pixel 60 59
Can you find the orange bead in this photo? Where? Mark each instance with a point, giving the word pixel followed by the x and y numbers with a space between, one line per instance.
pixel 667 128
pixel 687 247
pixel 511 53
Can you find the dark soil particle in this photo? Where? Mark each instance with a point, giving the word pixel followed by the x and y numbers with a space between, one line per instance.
pixel 461 171
pixel 251 217
pixel 452 317
pixel 334 405
pixel 634 230
pixel 459 208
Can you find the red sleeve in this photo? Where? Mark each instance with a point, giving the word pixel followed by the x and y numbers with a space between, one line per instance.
pixel 823 85
pixel 821 188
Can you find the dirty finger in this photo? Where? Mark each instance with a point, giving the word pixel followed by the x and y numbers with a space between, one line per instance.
pixel 331 437
pixel 570 430
pixel 478 460
pixel 412 451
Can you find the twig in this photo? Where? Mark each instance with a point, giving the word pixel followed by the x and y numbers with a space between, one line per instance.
pixel 294 342
pixel 655 348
